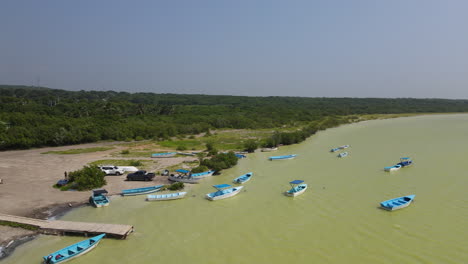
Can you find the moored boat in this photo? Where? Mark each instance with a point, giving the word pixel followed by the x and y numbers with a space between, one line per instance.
pixel 297 188
pixel 98 198
pixel 404 162
pixel 202 174
pixel 397 203
pixel 184 178
pixel 393 168
pixel 342 154
pixel 285 157
pixel 163 155
pixel 143 190
pixel 339 148
pixel 269 149
pixel 223 191
pixel 243 178
pixel 73 251
pixel 165 196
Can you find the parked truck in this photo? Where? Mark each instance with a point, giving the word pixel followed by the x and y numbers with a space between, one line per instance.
pixel 140 175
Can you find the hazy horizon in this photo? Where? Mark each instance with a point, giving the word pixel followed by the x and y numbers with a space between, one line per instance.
pixel 362 48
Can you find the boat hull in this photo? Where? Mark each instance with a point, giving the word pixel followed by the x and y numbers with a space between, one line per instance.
pixel 202 175
pixel 269 149
pixel 166 197
pixel 81 253
pixel 243 178
pixel 298 192
pixel 286 157
pixel 213 196
pixel 163 155
pixel 397 203
pixel 184 180
pixel 140 191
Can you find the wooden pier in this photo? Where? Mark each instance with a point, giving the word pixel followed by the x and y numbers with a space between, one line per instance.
pixel 58 227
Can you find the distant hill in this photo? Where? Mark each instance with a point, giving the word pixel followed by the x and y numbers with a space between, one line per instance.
pixel 40 116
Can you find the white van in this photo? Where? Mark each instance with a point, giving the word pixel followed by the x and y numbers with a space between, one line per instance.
pixel 111 170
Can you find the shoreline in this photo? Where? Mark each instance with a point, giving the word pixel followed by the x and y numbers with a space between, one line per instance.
pixel 49 169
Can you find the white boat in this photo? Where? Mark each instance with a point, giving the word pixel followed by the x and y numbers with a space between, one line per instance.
pixel 223 192
pixel 297 188
pixel 269 149
pixel 165 197
pixel 393 168
pixel 342 154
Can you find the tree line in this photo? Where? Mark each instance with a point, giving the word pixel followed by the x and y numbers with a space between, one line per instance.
pixel 36 116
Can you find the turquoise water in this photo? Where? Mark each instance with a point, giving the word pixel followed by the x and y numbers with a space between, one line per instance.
pixel 337 220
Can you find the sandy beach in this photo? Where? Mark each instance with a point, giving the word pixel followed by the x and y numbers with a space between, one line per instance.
pixel 28 176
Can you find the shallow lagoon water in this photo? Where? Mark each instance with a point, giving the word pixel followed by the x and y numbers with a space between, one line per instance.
pixel 337 220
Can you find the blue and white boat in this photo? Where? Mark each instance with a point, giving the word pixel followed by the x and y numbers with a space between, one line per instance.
pixel 202 174
pixel 243 178
pixel 166 196
pixel 73 251
pixel 339 148
pixel 342 154
pixel 240 156
pixel 163 155
pixel 98 198
pixel 285 157
pixel 404 162
pixel 223 191
pixel 143 190
pixel 397 203
pixel 297 188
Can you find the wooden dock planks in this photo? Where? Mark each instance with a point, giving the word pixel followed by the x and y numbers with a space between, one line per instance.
pixel 59 227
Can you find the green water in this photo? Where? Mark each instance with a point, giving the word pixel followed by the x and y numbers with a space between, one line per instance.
pixel 335 221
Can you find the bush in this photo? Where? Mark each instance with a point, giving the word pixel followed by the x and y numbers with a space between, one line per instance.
pixel 88 178
pixel 199 169
pixel 125 151
pixel 136 163
pixel 176 186
pixel 221 161
pixel 181 147
pixel 139 138
pixel 250 145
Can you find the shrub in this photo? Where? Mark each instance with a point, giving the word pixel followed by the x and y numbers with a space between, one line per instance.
pixel 139 138
pixel 200 168
pixel 181 147
pixel 125 151
pixel 136 163
pixel 221 161
pixel 176 186
pixel 88 178
pixel 250 145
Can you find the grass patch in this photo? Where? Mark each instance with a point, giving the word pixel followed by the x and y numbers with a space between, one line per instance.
pixel 182 144
pixel 28 227
pixel 115 162
pixel 78 151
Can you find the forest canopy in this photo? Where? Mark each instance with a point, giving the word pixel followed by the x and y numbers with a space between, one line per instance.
pixel 37 116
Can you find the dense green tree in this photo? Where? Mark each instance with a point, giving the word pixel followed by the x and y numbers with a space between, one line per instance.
pixel 88 178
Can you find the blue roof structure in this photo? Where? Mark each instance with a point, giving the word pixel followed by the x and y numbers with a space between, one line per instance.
pixel 221 186
pixel 296 182
pixel 183 171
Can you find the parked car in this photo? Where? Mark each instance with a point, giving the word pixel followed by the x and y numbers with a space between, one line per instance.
pixel 140 175
pixel 112 170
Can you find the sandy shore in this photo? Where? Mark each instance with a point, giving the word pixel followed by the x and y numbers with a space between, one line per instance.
pixel 28 177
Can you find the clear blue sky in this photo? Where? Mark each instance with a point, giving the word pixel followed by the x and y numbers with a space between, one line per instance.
pixel 328 48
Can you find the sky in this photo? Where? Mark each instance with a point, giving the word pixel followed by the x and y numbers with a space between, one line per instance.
pixel 326 48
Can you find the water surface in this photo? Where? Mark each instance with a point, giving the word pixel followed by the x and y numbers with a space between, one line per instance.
pixel 337 220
